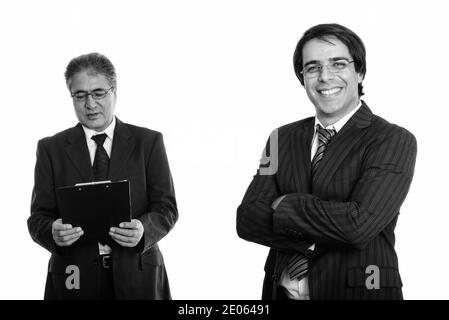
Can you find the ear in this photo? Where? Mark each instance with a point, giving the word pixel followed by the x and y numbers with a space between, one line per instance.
pixel 360 77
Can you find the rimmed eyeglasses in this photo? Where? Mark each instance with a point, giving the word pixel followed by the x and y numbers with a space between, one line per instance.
pixel 314 69
pixel 96 94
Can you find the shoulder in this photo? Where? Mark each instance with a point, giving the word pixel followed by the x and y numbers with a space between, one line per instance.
pixel 148 139
pixel 142 132
pixel 59 138
pixel 283 133
pixel 288 128
pixel 382 129
pixel 379 129
pixel 297 124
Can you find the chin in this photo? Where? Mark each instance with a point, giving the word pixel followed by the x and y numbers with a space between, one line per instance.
pixel 91 125
pixel 328 110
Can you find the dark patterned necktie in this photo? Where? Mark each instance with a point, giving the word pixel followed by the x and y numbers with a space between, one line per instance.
pixel 324 137
pixel 298 263
pixel 101 161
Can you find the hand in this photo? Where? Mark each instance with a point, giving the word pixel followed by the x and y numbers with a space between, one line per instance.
pixel 63 234
pixel 129 233
pixel 276 202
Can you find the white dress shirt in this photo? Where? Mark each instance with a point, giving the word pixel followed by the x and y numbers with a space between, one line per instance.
pixel 92 146
pixel 294 289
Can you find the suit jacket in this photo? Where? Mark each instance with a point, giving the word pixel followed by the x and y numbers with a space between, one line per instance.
pixel 349 209
pixel 138 154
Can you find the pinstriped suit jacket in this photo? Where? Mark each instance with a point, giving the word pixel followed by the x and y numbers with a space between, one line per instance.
pixel 349 210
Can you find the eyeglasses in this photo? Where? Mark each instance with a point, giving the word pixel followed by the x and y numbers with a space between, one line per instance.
pixel 313 70
pixel 96 94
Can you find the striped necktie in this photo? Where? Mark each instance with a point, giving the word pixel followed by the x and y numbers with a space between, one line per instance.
pixel 298 264
pixel 324 137
pixel 101 161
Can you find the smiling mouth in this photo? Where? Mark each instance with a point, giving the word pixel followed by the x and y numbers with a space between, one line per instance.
pixel 329 92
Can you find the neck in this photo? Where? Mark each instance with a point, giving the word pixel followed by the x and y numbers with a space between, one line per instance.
pixel 327 121
pixel 330 119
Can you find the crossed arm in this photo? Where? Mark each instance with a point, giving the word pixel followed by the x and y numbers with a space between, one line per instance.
pixel 302 219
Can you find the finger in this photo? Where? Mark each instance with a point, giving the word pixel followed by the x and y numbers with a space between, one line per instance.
pixel 58 225
pixel 68 232
pixel 68 243
pixel 121 238
pixel 61 243
pixel 129 225
pixel 70 237
pixel 120 242
pixel 124 232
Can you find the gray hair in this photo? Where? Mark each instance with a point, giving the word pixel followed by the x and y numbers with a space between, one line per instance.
pixel 95 63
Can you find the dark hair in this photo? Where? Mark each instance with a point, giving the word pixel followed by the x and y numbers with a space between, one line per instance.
pixel 92 62
pixel 324 32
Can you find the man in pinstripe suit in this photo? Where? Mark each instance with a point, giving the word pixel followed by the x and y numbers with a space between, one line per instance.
pixel 327 194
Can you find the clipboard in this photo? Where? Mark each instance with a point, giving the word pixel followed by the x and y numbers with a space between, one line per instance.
pixel 95 207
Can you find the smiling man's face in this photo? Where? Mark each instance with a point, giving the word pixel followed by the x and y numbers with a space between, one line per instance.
pixel 333 94
pixel 94 114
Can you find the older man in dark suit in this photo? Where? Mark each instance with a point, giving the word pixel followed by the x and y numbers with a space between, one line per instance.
pixel 327 194
pixel 101 147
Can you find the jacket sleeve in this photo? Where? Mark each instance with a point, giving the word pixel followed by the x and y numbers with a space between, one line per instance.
pixel 162 211
pixel 43 201
pixel 385 179
pixel 255 215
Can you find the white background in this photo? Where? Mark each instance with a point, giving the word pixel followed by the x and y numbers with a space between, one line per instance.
pixel 216 77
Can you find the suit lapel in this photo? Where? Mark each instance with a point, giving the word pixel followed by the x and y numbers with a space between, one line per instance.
pixel 300 145
pixel 122 146
pixel 78 153
pixel 341 145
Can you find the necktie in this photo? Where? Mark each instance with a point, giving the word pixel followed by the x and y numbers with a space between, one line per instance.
pixel 324 137
pixel 298 263
pixel 101 161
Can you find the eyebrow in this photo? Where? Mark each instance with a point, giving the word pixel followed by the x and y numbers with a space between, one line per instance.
pixel 89 91
pixel 78 91
pixel 330 59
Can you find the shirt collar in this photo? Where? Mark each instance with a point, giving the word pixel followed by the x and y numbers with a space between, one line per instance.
pixel 109 131
pixel 340 123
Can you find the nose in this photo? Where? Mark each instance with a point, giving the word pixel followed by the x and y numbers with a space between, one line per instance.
pixel 90 102
pixel 325 74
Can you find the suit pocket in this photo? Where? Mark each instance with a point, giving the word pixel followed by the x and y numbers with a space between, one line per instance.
pixel 66 279
pixel 59 264
pixel 152 257
pixel 386 277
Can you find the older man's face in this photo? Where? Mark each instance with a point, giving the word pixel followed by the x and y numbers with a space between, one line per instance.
pixel 94 114
pixel 334 94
